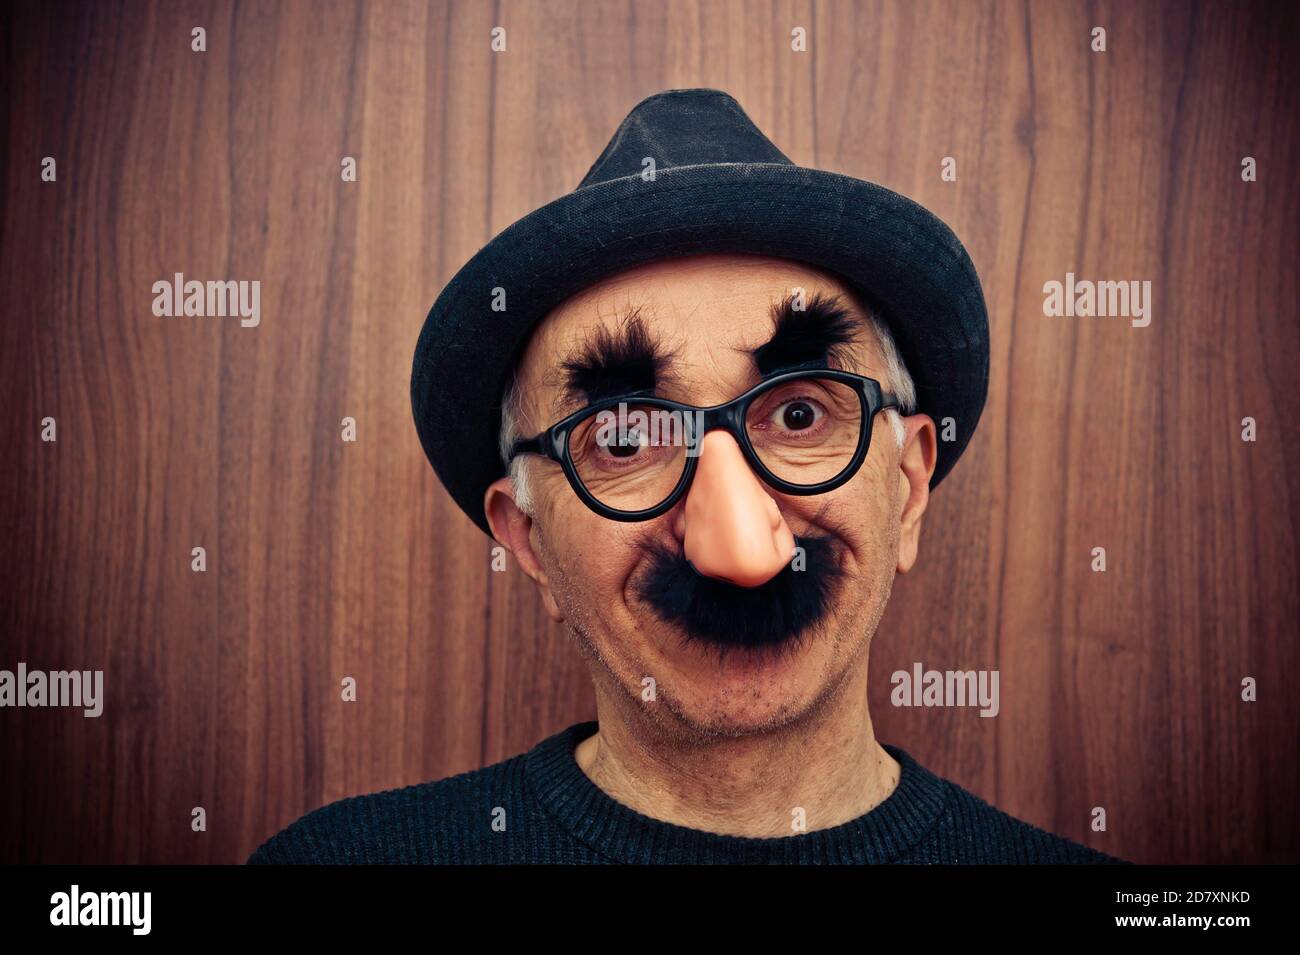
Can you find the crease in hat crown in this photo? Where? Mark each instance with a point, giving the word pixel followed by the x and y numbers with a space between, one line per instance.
pixel 720 185
pixel 720 132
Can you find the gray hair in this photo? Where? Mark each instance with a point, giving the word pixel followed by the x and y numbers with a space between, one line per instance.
pixel 512 411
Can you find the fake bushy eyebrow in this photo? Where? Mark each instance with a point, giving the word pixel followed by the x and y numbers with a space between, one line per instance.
pixel 616 362
pixel 819 334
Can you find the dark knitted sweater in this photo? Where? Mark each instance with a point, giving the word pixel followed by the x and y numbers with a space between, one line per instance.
pixel 553 813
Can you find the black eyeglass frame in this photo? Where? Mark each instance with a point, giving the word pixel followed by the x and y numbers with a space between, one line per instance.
pixel 553 443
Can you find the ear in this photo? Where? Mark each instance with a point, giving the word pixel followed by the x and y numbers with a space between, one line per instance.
pixel 916 464
pixel 513 530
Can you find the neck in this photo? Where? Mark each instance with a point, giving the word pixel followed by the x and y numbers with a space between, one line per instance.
pixel 827 763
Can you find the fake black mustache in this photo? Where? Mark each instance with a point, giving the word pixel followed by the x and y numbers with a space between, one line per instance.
pixel 725 616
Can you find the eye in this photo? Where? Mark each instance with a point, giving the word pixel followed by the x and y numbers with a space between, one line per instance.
pixel 626 445
pixel 794 417
pixel 625 451
pixel 625 440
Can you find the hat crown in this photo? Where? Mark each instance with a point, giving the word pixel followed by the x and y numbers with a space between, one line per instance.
pixel 688 127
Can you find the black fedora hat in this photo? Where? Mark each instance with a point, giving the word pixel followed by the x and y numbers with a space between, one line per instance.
pixel 718 185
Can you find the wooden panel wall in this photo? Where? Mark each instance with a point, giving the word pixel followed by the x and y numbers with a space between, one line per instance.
pixel 328 559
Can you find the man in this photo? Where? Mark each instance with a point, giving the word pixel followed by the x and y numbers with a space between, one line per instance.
pixel 697 399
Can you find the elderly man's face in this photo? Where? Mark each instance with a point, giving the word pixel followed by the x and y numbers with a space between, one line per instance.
pixel 625 589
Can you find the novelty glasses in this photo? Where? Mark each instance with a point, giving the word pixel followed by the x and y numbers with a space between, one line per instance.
pixel 631 458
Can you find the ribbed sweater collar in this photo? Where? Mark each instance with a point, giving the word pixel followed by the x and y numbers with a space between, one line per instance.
pixel 880 835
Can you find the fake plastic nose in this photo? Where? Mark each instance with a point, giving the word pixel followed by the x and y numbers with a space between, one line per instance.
pixel 734 530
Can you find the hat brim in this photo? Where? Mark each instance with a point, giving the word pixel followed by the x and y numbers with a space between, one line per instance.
pixel 893 251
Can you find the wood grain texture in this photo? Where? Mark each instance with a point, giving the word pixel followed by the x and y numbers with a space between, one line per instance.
pixel 328 559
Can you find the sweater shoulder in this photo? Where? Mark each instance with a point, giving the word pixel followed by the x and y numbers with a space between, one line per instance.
pixel 429 822
pixel 972 830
